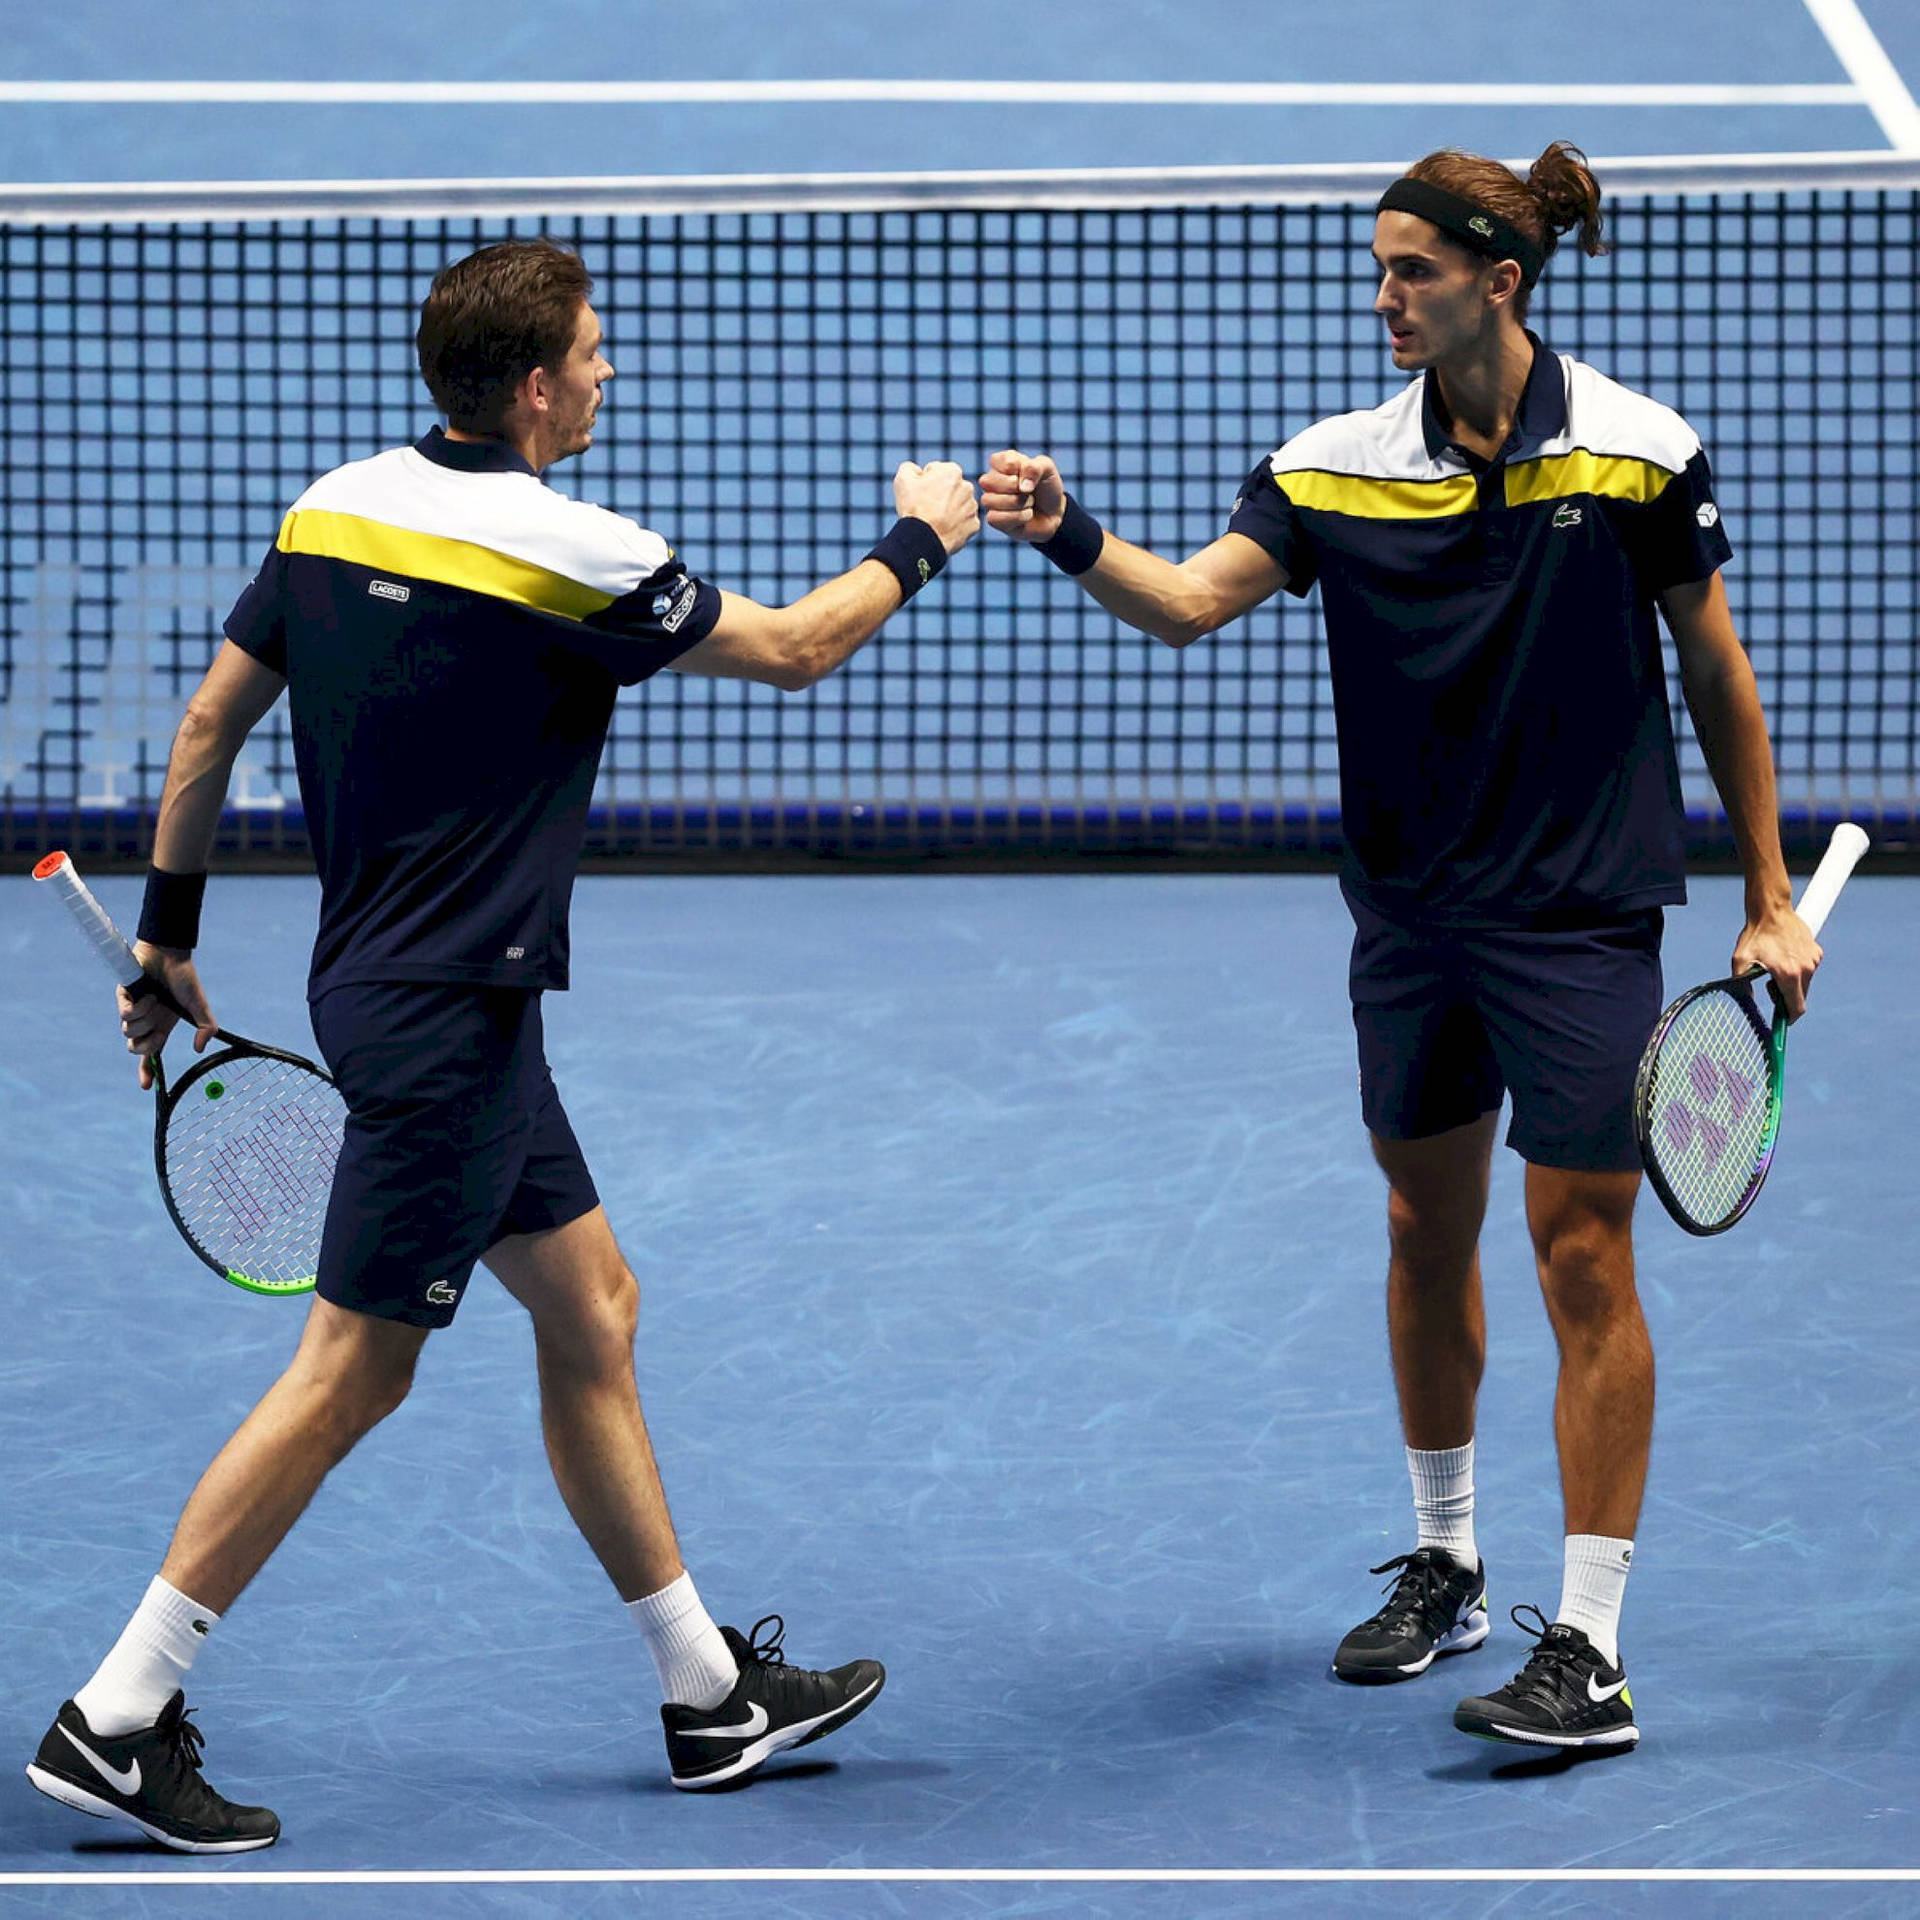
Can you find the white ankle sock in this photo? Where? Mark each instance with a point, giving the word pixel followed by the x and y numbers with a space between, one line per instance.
pixel 1595 1585
pixel 148 1663
pixel 696 1667
pixel 1443 1500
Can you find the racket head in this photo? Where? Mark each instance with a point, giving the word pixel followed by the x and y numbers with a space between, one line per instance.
pixel 245 1143
pixel 1706 1104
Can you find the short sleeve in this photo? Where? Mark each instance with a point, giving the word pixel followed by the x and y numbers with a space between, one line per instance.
pixel 258 622
pixel 1265 515
pixel 649 628
pixel 1678 536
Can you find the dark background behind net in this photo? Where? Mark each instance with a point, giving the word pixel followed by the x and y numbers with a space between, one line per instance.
pixel 170 389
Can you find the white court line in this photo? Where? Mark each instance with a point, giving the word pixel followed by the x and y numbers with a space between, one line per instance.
pixel 1042 188
pixel 1858 50
pixel 997 1876
pixel 1129 93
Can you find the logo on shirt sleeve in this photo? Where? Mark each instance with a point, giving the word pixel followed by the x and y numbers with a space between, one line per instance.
pixel 672 610
pixel 1707 514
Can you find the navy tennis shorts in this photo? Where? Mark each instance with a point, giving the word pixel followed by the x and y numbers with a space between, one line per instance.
pixel 1450 1021
pixel 455 1139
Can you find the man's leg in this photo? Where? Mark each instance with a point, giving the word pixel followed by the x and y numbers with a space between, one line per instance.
pixel 585 1307
pixel 1582 1226
pixel 349 1372
pixel 1436 1316
pixel 1572 1692
pixel 122 1747
pixel 729 1702
pixel 1436 1328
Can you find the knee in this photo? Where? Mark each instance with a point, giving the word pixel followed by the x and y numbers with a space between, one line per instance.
pixel 620 1306
pixel 356 1375
pixel 1431 1236
pixel 1586 1272
pixel 592 1330
pixel 354 1395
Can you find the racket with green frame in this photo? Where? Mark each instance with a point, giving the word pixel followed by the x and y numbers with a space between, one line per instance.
pixel 244 1142
pixel 1707 1099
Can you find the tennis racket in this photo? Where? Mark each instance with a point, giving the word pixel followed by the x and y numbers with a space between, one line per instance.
pixel 244 1141
pixel 1706 1101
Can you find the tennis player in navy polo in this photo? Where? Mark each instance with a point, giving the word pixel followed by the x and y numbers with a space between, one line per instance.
pixel 1491 547
pixel 452 635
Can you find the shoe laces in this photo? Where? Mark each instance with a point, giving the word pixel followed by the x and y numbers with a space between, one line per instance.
pixel 185 1741
pixel 1553 1668
pixel 1419 1587
pixel 767 1652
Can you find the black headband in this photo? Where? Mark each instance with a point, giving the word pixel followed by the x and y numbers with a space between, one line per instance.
pixel 1474 227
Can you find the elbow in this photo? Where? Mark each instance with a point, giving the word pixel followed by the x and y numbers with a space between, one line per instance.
pixel 1189 612
pixel 795 670
pixel 1181 629
pixel 207 729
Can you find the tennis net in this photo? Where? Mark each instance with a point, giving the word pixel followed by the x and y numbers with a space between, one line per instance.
pixel 176 371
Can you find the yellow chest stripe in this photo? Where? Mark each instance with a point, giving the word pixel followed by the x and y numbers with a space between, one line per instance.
pixel 432 556
pixel 1556 477
pixel 1363 499
pixel 1609 475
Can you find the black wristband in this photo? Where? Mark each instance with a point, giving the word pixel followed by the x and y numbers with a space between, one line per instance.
pixel 911 551
pixel 170 914
pixel 1077 545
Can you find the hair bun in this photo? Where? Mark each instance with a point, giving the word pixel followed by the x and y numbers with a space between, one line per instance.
pixel 1569 195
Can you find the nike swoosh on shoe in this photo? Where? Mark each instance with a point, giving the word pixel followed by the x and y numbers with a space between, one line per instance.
pixel 755 1722
pixel 122 1779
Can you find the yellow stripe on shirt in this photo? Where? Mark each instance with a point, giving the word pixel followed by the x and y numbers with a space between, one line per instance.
pixel 1364 499
pixel 1612 476
pixel 431 556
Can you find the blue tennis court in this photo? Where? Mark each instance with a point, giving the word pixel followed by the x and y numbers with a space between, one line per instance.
pixel 1012 1261
pixel 1010 1249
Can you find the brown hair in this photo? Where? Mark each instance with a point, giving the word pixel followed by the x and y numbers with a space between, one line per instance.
pixel 490 319
pixel 1559 193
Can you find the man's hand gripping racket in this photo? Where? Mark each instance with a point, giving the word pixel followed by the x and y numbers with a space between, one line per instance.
pixel 1706 1102
pixel 244 1141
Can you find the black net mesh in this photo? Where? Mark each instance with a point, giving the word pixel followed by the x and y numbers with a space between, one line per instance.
pixel 170 388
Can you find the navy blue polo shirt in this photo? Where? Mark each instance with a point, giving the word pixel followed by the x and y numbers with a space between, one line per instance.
pixel 453 633
pixel 1506 754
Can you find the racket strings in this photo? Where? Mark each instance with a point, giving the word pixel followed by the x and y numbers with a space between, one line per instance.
pixel 1710 1107
pixel 248 1163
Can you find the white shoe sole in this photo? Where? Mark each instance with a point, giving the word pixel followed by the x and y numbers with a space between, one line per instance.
pixel 81 1801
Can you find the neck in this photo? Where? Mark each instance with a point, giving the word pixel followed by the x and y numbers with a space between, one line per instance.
pixel 1480 392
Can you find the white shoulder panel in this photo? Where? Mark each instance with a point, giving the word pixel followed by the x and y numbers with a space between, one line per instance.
pixel 1606 418
pixel 508 513
pixel 1382 443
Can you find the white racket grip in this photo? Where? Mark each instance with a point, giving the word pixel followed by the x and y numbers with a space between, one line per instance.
pixel 92 919
pixel 1836 864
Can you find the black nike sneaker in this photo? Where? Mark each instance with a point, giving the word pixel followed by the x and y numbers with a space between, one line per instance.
pixel 150 1778
pixel 1565 1696
pixel 1436 1606
pixel 772 1706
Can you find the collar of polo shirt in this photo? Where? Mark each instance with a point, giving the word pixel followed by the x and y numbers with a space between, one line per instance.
pixel 1541 415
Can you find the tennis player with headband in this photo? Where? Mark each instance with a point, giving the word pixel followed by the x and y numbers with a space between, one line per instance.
pixel 1491 546
pixel 453 633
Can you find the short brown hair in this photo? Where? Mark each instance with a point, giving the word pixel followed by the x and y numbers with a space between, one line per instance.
pixel 490 319
pixel 1558 193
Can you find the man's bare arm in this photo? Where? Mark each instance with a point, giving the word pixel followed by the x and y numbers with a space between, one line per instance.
pixel 1178 601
